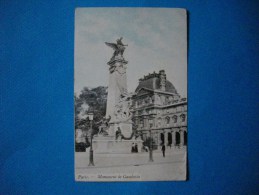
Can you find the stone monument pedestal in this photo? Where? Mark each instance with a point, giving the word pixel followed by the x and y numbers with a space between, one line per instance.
pixel 108 144
pixel 125 128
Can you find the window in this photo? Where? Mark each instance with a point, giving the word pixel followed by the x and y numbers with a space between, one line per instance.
pixel 167 119
pixel 183 117
pixel 175 118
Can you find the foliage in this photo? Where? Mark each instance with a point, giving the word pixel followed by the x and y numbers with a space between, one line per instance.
pixel 90 99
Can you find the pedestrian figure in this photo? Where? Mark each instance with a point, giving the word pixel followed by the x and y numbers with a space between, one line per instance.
pixel 133 148
pixel 163 150
pixel 136 148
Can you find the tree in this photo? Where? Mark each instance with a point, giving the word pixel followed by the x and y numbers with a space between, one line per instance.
pixel 90 99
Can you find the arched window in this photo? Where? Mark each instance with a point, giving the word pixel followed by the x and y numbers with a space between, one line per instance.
pixel 167 120
pixel 183 116
pixel 175 118
pixel 169 137
pixel 177 138
pixel 162 139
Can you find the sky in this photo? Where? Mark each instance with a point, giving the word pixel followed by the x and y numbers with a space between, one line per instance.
pixel 156 38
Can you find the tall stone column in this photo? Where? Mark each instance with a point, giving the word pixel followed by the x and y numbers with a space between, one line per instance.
pixel 166 138
pixel 181 137
pixel 117 85
pixel 173 138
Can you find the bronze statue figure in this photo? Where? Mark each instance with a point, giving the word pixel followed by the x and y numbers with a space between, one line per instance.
pixel 118 47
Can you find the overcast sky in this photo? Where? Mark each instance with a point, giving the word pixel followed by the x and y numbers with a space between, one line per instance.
pixel 156 39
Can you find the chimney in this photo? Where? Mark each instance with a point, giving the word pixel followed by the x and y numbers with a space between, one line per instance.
pixel 162 77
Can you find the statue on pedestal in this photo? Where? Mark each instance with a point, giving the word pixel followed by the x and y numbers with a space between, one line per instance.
pixel 115 130
pixel 118 100
pixel 118 47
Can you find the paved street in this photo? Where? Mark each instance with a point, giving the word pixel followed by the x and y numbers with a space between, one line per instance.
pixel 130 167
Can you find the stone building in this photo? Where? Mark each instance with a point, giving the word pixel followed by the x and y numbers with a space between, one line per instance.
pixel 159 111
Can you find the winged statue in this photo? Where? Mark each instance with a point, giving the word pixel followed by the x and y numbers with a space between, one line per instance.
pixel 118 47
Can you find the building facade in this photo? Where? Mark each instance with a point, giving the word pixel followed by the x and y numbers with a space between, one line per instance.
pixel 159 111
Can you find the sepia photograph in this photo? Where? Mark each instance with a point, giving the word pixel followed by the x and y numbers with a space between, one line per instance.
pixel 130 94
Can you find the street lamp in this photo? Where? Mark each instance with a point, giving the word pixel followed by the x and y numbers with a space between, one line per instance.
pixel 91 154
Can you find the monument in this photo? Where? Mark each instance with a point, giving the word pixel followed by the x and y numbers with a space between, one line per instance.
pixel 119 135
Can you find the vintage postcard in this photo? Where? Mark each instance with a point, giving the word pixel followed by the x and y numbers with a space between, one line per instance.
pixel 130 94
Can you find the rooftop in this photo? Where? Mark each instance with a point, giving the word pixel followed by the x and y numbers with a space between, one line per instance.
pixel 153 82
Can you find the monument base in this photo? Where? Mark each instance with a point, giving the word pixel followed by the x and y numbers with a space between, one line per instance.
pixel 124 127
pixel 108 144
